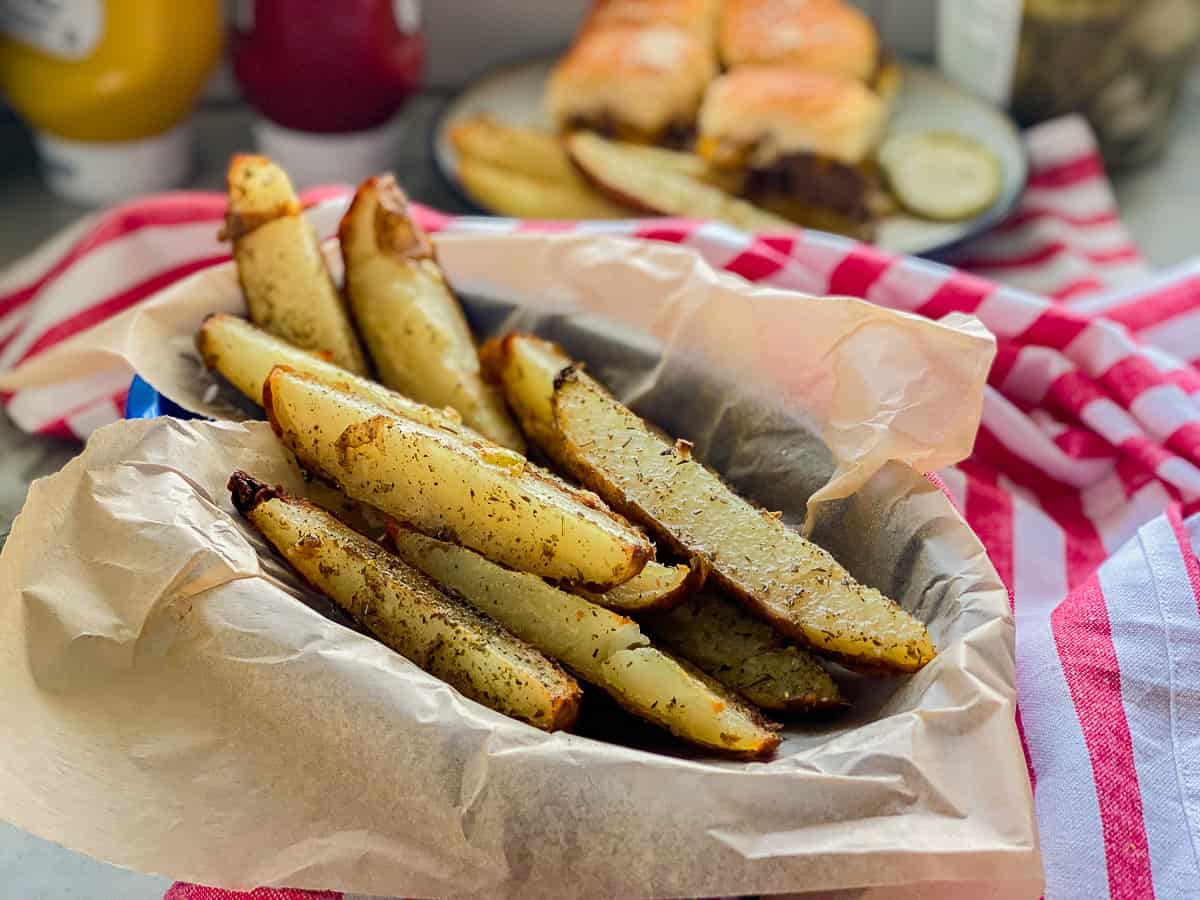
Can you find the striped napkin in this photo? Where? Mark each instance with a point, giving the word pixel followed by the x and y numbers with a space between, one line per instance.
pixel 1082 484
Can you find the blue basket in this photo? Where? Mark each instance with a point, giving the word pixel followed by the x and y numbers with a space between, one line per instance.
pixel 144 402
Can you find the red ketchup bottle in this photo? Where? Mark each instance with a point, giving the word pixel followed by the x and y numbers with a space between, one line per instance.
pixel 327 81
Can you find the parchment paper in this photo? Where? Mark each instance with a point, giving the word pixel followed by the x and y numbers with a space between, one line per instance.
pixel 170 706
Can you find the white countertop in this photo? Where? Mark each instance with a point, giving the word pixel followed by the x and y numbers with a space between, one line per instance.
pixel 1158 204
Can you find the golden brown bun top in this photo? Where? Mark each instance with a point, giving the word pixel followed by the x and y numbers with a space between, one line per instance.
pixel 826 35
pixel 755 114
pixel 646 78
pixel 696 16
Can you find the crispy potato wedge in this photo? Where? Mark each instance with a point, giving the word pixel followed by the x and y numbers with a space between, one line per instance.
pixel 526 173
pixel 600 646
pixel 483 495
pixel 288 288
pixel 412 323
pixel 526 366
pixel 689 704
pixel 656 587
pixel 245 355
pixel 408 612
pixel 743 653
pixel 789 581
pixel 634 180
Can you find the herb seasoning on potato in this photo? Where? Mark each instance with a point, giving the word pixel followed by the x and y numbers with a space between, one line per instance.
pixel 407 612
pixel 289 290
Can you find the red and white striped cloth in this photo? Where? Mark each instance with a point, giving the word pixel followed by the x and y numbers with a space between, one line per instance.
pixel 1082 482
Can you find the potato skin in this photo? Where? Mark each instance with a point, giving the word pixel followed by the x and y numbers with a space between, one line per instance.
pixel 412 323
pixel 288 288
pixel 406 611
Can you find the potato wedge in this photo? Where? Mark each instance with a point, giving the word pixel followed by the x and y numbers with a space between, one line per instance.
pixel 406 611
pixel 485 496
pixel 526 366
pixel 288 288
pixel 664 190
pixel 413 326
pixel 245 355
pixel 743 653
pixel 600 646
pixel 656 587
pixel 791 582
pixel 525 173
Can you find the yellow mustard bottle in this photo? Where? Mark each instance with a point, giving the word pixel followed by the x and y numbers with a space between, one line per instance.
pixel 108 87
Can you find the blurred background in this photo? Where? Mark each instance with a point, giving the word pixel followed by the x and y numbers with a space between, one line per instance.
pixel 1128 66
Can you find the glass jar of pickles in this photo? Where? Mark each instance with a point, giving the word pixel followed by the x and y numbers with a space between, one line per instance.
pixel 1121 63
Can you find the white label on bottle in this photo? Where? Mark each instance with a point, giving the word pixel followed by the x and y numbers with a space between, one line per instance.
pixel 68 29
pixel 407 14
pixel 977 45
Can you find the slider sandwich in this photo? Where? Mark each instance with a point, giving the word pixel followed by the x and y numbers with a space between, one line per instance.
pixel 642 84
pixel 799 143
pixel 820 35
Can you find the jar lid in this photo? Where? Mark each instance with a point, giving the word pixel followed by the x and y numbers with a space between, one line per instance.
pixel 312 158
pixel 96 172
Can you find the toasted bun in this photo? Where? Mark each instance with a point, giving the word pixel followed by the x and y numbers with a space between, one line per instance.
pixel 698 17
pixel 825 35
pixel 643 80
pixel 755 114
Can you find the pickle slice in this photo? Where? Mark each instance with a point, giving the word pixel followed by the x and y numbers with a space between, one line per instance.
pixel 939 175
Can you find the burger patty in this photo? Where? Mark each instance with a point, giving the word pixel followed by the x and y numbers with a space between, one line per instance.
pixel 818 182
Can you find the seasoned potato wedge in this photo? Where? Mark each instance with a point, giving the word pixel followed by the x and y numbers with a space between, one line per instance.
pixel 288 288
pixel 686 702
pixel 526 366
pixel 655 587
pixel 600 646
pixel 641 182
pixel 245 355
pixel 483 495
pixel 791 582
pixel 579 634
pixel 743 653
pixel 412 323
pixel 408 612
pixel 525 173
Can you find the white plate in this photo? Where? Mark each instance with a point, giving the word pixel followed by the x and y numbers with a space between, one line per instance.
pixel 927 101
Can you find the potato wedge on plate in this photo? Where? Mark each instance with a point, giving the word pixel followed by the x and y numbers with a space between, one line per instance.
pixel 743 653
pixel 525 173
pixel 784 578
pixel 408 612
pixel 412 323
pixel 480 494
pixel 600 646
pixel 288 288
pixel 634 179
pixel 245 355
